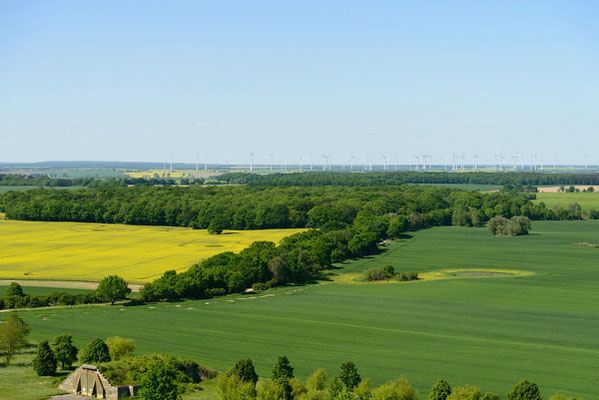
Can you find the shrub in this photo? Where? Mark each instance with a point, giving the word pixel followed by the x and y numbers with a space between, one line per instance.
pixel 515 226
pixel 408 276
pixel 244 370
pixel 44 362
pixel 232 387
pixel 399 389
pixel 465 393
pixel 96 352
pixel 376 274
pixel 120 347
pixel 282 369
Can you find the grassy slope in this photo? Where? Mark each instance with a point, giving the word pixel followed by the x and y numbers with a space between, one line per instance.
pixel 586 200
pixel 89 252
pixel 491 332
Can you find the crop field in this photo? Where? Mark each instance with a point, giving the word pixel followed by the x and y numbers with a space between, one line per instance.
pixel 162 173
pixel 89 252
pixel 586 200
pixel 490 331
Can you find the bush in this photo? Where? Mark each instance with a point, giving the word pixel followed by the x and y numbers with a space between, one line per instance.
pixel 399 389
pixel 515 226
pixel 376 274
pixel 44 362
pixel 120 348
pixel 96 352
pixel 14 289
pixel 159 382
pixel 408 276
pixel 440 390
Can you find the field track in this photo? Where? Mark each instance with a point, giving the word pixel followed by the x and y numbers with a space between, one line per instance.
pixel 61 284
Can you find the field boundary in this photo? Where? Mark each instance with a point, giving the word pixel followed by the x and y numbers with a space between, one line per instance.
pixel 62 284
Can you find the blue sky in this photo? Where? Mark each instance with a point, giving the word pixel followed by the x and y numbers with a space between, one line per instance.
pixel 139 80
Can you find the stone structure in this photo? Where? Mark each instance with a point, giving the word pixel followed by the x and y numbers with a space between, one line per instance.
pixel 87 380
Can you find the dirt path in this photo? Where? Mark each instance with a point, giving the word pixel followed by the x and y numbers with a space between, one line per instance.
pixel 61 284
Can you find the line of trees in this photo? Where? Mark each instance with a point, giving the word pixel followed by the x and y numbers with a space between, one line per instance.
pixel 43 180
pixel 403 177
pixel 242 382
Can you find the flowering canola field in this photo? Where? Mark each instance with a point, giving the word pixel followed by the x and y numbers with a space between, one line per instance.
pixel 89 252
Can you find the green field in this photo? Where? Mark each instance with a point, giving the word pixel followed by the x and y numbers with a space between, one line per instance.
pixel 586 200
pixel 486 331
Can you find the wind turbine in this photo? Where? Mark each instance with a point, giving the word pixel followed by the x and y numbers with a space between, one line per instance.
pixel 542 162
pixel 515 161
pixel 463 156
pixel 325 162
pixel 251 162
pixel 586 159
pixel 476 161
pixel 270 166
pixel 351 162
pixel 494 161
pixel 417 161
pixel 171 162
pixel 197 162
pixel 384 162
pixel 311 164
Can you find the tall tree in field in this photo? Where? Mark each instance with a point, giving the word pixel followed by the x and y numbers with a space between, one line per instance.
pixel 113 288
pixel 14 290
pixel 282 369
pixel 349 375
pixel 159 382
pixel 44 362
pixel 64 350
pixel 120 347
pixel 244 370
pixel 13 336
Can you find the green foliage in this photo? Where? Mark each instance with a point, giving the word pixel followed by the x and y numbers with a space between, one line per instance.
pixel 515 226
pixel 349 375
pixel 282 369
pixel 44 362
pixel 96 352
pixel 13 336
pixel 232 387
pixel 244 370
pixel 490 396
pixel 466 393
pixel 399 389
pixel 159 382
pixel 377 274
pixel 113 288
pixel 335 387
pixel 64 350
pixel 14 290
pixel 120 347
pixel 524 390
pixel 363 391
pixel 440 390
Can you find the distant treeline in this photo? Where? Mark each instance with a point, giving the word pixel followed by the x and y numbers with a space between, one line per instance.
pixel 42 180
pixel 400 178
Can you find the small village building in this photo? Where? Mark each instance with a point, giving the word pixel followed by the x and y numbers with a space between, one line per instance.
pixel 87 380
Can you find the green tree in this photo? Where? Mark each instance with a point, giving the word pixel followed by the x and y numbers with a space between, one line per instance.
pixel 44 362
pixel 159 382
pixel 282 369
pixel 96 352
pixel 363 391
pixel 349 375
pixel 64 350
pixel 14 289
pixel 244 370
pixel 466 393
pixel 13 336
pixel 120 347
pixel 440 390
pixel 335 387
pixel 113 288
pixel 232 387
pixel 524 390
pixel 399 389
pixel 490 396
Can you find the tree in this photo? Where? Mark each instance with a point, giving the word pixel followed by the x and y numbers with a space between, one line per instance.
pixel 13 336
pixel 44 362
pixel 363 391
pixel 349 375
pixel 282 369
pixel 440 390
pixel 113 288
pixel 120 347
pixel 14 290
pixel 399 389
pixel 244 370
pixel 232 387
pixel 96 352
pixel 64 350
pixel 159 382
pixel 466 393
pixel 524 390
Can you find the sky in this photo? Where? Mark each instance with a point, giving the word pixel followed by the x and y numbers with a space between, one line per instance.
pixel 141 80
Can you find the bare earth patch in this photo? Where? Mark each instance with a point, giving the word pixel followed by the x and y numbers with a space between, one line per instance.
pixel 555 189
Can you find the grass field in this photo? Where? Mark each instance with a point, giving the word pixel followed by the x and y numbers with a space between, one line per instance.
pixel 80 251
pixel 489 331
pixel 586 200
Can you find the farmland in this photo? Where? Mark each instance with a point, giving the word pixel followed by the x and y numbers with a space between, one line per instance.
pixel 486 331
pixel 586 200
pixel 89 252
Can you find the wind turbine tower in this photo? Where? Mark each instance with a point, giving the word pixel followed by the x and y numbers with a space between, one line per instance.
pixel 475 162
pixel 586 159
pixel 251 162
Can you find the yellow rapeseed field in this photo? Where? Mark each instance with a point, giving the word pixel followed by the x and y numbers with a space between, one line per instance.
pixel 89 252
